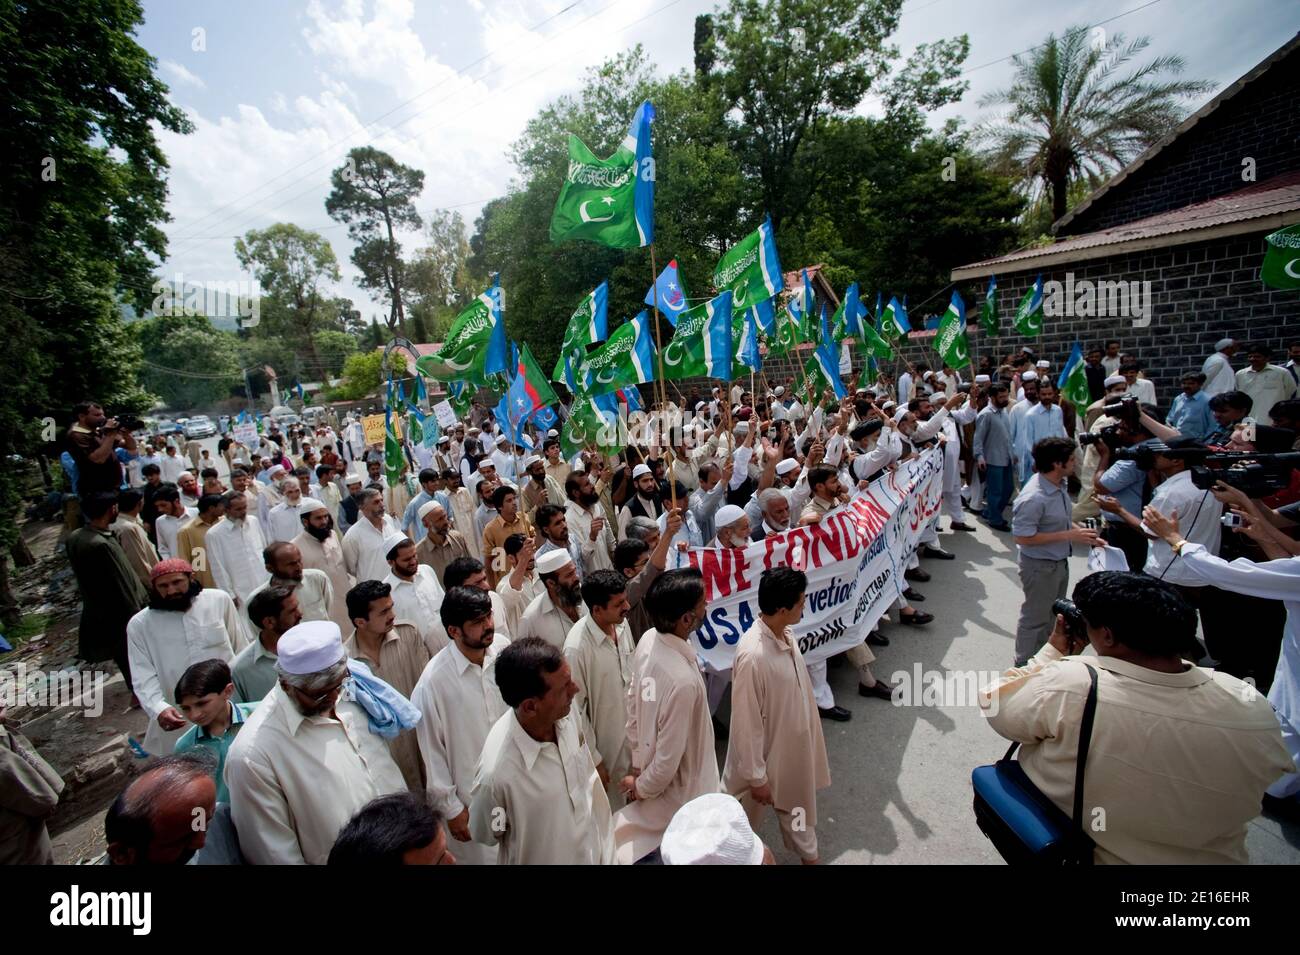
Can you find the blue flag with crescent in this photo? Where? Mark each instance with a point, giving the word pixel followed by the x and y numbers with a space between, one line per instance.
pixel 670 292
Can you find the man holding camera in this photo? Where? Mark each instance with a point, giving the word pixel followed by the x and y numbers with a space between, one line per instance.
pixel 1120 483
pixel 93 442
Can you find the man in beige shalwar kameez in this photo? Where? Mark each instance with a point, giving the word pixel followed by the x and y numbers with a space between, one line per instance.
pixel 776 755
pixel 669 726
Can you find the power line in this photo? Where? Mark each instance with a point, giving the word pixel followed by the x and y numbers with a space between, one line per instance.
pixel 1090 26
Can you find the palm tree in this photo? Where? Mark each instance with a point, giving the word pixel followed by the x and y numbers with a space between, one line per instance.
pixel 1071 116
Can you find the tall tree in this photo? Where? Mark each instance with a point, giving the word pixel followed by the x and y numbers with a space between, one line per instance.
pixel 1077 111
pixel 438 274
pixel 789 65
pixel 82 200
pixel 375 195
pixel 291 263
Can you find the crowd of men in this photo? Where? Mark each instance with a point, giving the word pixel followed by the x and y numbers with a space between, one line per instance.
pixel 490 658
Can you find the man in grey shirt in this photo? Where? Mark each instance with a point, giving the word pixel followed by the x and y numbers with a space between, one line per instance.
pixel 1043 531
pixel 993 455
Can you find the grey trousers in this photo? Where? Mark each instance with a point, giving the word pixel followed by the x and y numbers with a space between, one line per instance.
pixel 1044 581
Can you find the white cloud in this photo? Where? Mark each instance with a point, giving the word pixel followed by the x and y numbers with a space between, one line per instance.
pixel 180 75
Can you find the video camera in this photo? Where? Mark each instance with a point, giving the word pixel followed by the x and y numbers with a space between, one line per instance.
pixel 129 422
pixel 1108 436
pixel 1125 408
pixel 1252 473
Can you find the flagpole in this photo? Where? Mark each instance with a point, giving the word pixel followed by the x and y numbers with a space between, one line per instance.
pixel 659 356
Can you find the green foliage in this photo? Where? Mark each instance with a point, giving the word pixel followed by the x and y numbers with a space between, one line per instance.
pixel 1074 112
pixel 363 375
pixel 188 363
pixel 290 264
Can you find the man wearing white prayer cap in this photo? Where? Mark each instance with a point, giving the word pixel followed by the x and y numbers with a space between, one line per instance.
pixel 552 614
pixel 416 591
pixel 505 460
pixel 733 527
pixel 713 830
pixel 302 736
pixel 646 502
pixel 320 549
pixel 1217 369
pixel 1042 365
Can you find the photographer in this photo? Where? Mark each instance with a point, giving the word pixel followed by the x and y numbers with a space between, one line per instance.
pixel 93 442
pixel 1229 409
pixel 1277 579
pixel 1121 486
pixel 1179 756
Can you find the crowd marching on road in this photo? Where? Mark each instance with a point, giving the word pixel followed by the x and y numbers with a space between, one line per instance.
pixel 491 654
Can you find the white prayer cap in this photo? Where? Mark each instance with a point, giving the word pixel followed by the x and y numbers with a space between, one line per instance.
pixel 310 647
pixel 1030 375
pixel 710 830
pixel 425 508
pixel 392 540
pixel 779 390
pixel 982 379
pixel 473 431
pixel 640 471
pixel 354 479
pixel 888 404
pixel 1223 343
pixel 444 440
pixel 728 514
pixel 552 433
pixel 1114 380
pixel 502 439
pixel 713 391
pixel 273 470
pixel 899 414
pixel 928 375
pixel 786 466
pixel 700 404
pixel 486 463
pixel 939 396
pixel 310 505
pixel 552 561
pixel 1042 363
pixel 531 460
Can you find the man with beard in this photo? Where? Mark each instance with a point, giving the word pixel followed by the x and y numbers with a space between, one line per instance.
pixel 586 523
pixel 273 611
pixel 440 544
pixel 188 485
pixel 599 648
pixel 183 624
pixel 521 586
pixel 314 589
pixel 775 514
pixel 505 500
pixel 364 548
pixel 235 547
pixel 284 523
pixel 459 701
pixel 733 527
pixel 415 590
pixel 646 502
pixel 111 593
pixel 993 456
pixel 460 511
pixel 301 736
pixel 428 479
pixel 552 614
pixel 551 522
pixel 538 487
pixel 395 653
pixel 320 550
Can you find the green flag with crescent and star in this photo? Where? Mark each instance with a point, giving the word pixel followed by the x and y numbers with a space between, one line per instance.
pixel 1029 315
pixel 1281 268
pixel 463 354
pixel 950 338
pixel 685 355
pixel 589 426
pixel 750 270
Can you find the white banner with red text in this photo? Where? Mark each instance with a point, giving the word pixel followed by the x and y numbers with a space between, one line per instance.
pixel 854 558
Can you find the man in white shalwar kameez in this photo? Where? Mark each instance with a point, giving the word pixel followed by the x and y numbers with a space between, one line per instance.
pixel 235 547
pixel 321 550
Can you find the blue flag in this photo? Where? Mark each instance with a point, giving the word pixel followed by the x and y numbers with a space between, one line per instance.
pixel 544 418
pixel 495 362
pixel 717 338
pixel 853 312
pixel 826 335
pixel 671 293
pixel 764 313
pixel 748 354
pixel 632 395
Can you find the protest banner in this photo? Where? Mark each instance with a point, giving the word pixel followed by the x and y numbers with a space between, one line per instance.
pixel 854 559
pixel 373 424
pixel 445 415
pixel 245 433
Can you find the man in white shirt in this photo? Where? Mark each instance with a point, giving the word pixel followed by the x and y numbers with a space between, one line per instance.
pixel 1217 369
pixel 552 614
pixel 235 546
pixel 416 593
pixel 313 587
pixel 537 795
pixel 182 625
pixel 521 586
pixel 172 464
pixel 364 552
pixel 586 523
pixel 459 701
pixel 305 761
pixel 285 523
pixel 1266 384
pixel 321 549
pixel 172 516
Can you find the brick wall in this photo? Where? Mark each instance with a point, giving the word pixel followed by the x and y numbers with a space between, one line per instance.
pixel 1200 293
pixel 1260 122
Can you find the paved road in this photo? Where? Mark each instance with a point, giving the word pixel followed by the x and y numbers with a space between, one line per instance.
pixel 900 776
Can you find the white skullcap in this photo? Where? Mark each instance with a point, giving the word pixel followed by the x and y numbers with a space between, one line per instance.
pixel 392 540
pixel 1223 343
pixel 711 830
pixel 888 404
pixel 425 508
pixel 939 396
pixel 786 466
pixel 310 647
pixel 700 404
pixel 1030 375
pixel 742 427
pixel 1114 380
pixel 310 505
pixel 444 440
pixel 274 469
pixel 354 479
pixel 713 391
pixel 982 379
pixel 641 470
pixel 502 439
pixel 531 460
pixel 900 413
pixel 553 560
pixel 727 515
pixel 1042 363
pixel 486 463
pixel 928 375
pixel 779 390
pixel 552 433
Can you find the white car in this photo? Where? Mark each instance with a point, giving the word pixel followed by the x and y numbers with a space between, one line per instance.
pixel 200 426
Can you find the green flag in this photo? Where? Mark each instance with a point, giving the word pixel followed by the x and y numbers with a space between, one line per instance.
pixel 416 428
pixel 751 269
pixel 463 354
pixel 460 396
pixel 950 339
pixel 588 323
pixel 609 201
pixel 1281 268
pixel 688 354
pixel 1073 383
pixel 786 337
pixel 590 426
pixel 872 344
pixel 989 310
pixel 893 322
pixel 1029 316
pixel 394 458
pixel 626 358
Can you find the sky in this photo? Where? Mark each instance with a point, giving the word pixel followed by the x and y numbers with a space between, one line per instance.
pixel 278 92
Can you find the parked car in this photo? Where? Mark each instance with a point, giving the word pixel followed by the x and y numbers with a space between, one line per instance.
pixel 200 426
